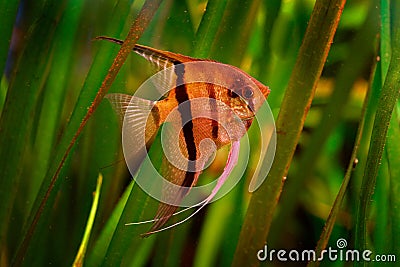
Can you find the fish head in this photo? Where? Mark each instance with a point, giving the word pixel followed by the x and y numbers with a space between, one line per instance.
pixel 246 95
pixel 242 93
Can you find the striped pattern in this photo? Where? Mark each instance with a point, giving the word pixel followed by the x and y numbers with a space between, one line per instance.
pixel 237 98
pixel 154 57
pixel 186 115
pixel 212 97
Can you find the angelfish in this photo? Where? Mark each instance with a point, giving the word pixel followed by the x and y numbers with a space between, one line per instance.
pixel 234 97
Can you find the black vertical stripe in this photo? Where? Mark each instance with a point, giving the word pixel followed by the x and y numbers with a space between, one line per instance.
pixel 155 113
pixel 212 97
pixel 181 96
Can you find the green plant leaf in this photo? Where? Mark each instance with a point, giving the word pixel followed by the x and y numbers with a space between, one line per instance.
pixel 24 90
pixel 297 101
pixel 393 151
pixel 352 68
pixel 386 104
pixel 83 247
pixel 8 13
pixel 87 104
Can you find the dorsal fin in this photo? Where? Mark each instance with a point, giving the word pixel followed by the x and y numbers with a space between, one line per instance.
pixel 162 59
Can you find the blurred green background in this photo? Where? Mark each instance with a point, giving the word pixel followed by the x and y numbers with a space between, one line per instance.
pixel 52 69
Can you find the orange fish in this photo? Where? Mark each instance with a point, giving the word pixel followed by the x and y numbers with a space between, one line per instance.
pixel 228 95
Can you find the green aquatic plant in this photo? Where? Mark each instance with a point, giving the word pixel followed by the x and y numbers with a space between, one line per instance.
pixel 334 94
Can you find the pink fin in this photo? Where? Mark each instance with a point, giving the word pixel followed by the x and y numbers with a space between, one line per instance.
pixel 230 164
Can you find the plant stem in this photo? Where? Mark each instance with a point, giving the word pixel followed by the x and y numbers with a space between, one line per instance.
pixel 351 69
pixel 330 221
pixel 208 28
pixel 386 103
pixel 295 105
pixel 137 28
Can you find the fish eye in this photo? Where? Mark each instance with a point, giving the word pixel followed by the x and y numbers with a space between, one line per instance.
pixel 247 92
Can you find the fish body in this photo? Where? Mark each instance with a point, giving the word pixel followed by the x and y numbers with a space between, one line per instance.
pixel 233 102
